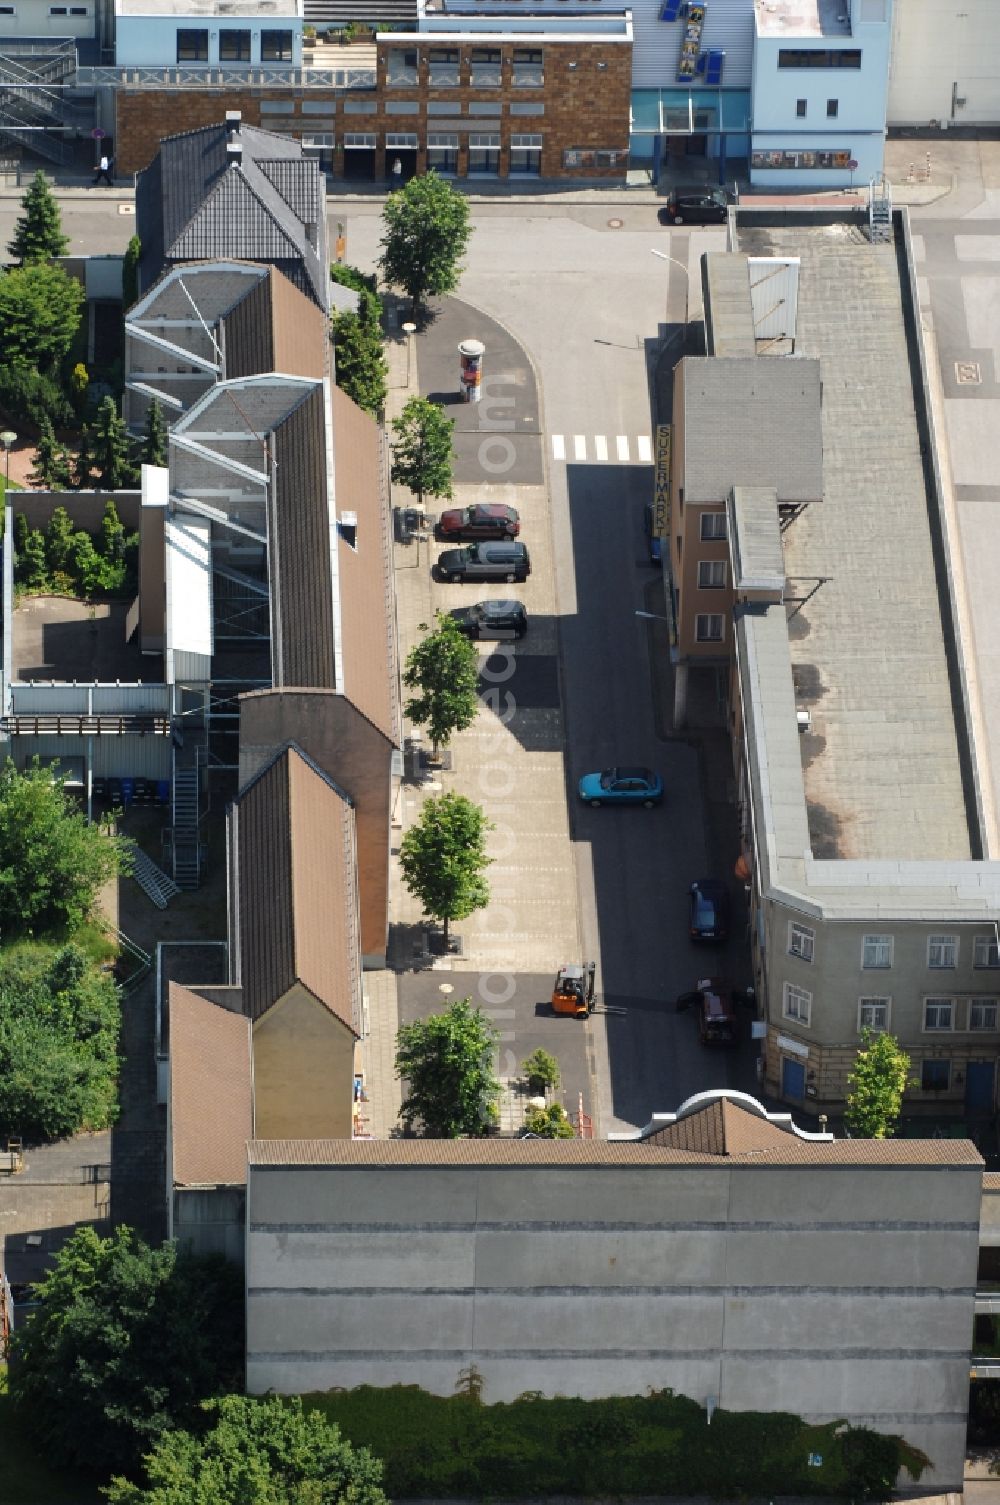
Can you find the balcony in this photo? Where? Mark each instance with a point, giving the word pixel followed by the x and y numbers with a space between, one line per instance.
pixel 210 76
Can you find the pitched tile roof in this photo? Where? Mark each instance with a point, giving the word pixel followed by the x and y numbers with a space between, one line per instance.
pixel 211 1106
pixel 196 202
pixel 295 851
pixel 568 1154
pixel 721 1128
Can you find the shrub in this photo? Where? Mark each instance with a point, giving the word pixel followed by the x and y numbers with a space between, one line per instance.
pixel 541 1071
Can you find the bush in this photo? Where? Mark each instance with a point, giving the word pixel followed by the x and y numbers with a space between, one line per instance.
pixel 656 1444
pixel 28 397
pixel 541 1070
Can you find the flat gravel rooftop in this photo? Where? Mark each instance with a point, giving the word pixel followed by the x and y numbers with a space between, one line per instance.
pixel 881 761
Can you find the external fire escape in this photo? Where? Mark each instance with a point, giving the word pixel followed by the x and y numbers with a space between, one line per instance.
pixel 36 110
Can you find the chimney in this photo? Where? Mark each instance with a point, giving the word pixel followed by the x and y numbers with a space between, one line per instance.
pixel 233 119
pixel 234 146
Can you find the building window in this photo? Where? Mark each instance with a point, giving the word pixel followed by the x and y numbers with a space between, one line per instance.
pixel 938 1013
pixel 796 1004
pixel 832 109
pixel 484 67
pixel 713 526
pixel 443 67
pixel 442 152
pixel 484 155
pixel 934 1075
pixel 527 107
pixel 983 1014
pixel 800 108
pixel 801 941
pixel 276 47
pixel 709 627
pixel 401 69
pixel 57 10
pixel 234 46
pixel 484 107
pixel 986 952
pixel 873 1014
pixel 819 57
pixel 525 156
pixel 942 952
pixel 527 71
pixel 192 46
pixel 711 574
pixel 876 952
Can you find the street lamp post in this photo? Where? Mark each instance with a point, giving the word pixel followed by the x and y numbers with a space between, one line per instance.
pixel 7 438
pixel 409 330
pixel 687 282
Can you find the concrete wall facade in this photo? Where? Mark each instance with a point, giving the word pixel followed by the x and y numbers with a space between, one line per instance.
pixel 829 1292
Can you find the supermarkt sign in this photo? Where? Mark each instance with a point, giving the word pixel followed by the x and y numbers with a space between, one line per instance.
pixel 661 493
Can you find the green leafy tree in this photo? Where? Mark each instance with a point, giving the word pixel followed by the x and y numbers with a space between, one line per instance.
pixel 112 534
pixel 31 568
pixel 154 438
pixel 541 1071
pixel 130 272
pixel 59 1023
pixel 89 574
pixel 422 449
pixel 125 1344
pixel 111 447
pixel 40 311
pixel 359 362
pixel 83 461
pixel 79 381
pixel 26 396
pixel 447 1061
pixel 52 860
pixel 59 541
pixel 427 231
pixel 38 232
pixel 875 1086
pixel 51 467
pixel 549 1122
pixel 443 670
pixel 269 1452
pixel 443 859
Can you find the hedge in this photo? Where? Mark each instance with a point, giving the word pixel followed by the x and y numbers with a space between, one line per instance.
pixel 656 1444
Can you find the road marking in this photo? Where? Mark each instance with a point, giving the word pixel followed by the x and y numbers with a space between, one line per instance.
pixel 622 447
pixel 580 446
pixel 601 446
pixel 558 447
pixel 645 448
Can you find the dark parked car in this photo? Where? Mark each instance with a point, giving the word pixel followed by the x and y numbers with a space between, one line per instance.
pixel 698 205
pixel 653 541
pixel 708 910
pixel 715 1002
pixel 481 521
pixel 485 561
pixel 492 619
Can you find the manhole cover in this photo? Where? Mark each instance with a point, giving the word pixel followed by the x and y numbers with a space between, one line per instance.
pixel 615 224
pixel 967 373
pixel 126 208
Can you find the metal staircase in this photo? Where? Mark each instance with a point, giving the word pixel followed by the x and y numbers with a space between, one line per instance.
pixel 186 801
pixel 154 882
pixel 879 210
pixel 34 110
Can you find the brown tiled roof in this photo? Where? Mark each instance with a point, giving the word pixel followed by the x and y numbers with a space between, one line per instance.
pixel 211 1108
pixel 275 327
pixel 721 1128
pixel 991 1181
pixel 298 898
pixel 569 1153
pixel 303 646
pixel 366 615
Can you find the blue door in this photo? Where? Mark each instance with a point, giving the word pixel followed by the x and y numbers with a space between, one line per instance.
pixel 793 1078
pixel 979 1087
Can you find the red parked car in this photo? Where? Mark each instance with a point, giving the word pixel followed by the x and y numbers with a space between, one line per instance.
pixel 485 520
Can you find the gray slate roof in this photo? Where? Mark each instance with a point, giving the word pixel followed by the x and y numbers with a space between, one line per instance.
pixel 752 421
pixel 195 202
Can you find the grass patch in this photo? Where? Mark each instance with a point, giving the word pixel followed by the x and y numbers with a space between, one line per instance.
pixel 25 1479
pixel 92 939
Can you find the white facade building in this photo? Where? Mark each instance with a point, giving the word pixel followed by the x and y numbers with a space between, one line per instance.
pixel 945 64
pixel 220 33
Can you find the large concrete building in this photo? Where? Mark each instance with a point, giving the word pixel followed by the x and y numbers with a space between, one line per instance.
pixel 803 473
pixel 721 1253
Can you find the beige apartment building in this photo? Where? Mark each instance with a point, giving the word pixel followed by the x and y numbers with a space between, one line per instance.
pixel 808 563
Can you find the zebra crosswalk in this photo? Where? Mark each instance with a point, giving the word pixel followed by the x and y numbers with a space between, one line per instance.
pixel 599 449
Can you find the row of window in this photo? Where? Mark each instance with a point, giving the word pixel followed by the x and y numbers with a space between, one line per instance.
pixel 234 45
pixel 54 10
pixel 819 57
pixel 832 108
pixel 941 1015
pixel 485 68
pixel 877 950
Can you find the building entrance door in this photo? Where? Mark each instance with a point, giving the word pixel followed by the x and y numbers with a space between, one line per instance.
pixel 793 1078
pixel 979 1079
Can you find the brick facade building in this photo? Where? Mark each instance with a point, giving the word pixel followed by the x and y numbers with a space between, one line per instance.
pixel 550 105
